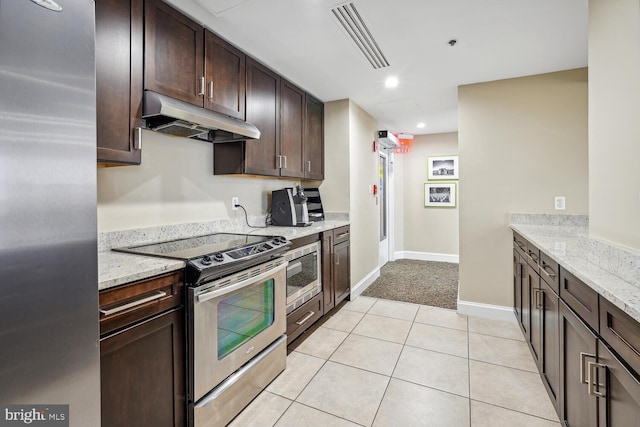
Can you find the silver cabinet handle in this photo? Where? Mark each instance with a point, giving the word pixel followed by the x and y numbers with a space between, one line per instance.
pixel 544 270
pixel 583 356
pixel 305 318
pixel 308 165
pixel 211 89
pixel 137 139
pixel 205 296
pixel 279 163
pixel 342 235
pixel 593 383
pixel 337 260
pixel 285 161
pixel 118 309
pixel 201 86
pixel 538 299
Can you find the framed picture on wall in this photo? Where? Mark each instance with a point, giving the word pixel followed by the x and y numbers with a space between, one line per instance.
pixel 440 195
pixel 442 167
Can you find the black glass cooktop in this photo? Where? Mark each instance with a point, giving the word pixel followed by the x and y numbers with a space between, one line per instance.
pixel 193 247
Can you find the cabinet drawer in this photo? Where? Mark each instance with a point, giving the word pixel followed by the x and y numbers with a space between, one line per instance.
pixel 533 256
pixel 549 271
pixel 520 242
pixel 127 304
pixel 303 317
pixel 341 234
pixel 580 297
pixel 621 332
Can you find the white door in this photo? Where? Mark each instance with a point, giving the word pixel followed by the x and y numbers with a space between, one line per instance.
pixel 383 204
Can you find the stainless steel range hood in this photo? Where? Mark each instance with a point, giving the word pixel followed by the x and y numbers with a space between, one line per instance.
pixel 174 117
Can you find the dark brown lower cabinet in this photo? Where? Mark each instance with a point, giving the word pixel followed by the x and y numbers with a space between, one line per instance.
pixel 550 356
pixel 142 373
pixel 341 271
pixel 535 313
pixel 620 390
pixel 517 286
pixel 303 317
pixel 578 346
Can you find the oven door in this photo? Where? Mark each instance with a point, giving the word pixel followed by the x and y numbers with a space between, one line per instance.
pixel 303 275
pixel 234 319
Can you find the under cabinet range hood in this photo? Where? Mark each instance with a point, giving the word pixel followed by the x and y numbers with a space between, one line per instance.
pixel 178 118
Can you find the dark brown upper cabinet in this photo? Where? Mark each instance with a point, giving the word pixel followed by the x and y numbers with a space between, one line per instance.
pixel 263 110
pixel 313 142
pixel 119 38
pixel 225 76
pixel 173 53
pixel 187 62
pixel 292 103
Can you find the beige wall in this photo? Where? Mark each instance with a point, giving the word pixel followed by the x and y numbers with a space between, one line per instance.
pixel 335 188
pixel 175 184
pixel 430 230
pixel 365 214
pixel 521 142
pixel 614 122
pixel 350 168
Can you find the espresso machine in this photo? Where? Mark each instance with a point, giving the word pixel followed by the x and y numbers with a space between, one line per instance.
pixel 289 207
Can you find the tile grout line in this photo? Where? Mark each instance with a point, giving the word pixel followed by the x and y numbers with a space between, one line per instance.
pixel 514 410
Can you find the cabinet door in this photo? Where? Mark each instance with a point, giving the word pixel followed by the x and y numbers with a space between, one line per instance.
pixel 314 139
pixel 341 270
pixel 577 348
pixel 291 130
pixel 328 289
pixel 225 75
pixel 263 110
pixel 173 54
pixel 535 336
pixel 550 363
pixel 118 79
pixel 620 405
pixel 142 374
pixel 526 302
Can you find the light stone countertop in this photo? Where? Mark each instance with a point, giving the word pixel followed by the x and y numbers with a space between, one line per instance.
pixel 117 268
pixel 611 270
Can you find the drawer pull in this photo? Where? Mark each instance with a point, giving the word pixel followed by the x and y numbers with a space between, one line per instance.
pixel 305 318
pixel 583 356
pixel 544 270
pixel 593 382
pixel 157 295
pixel 341 235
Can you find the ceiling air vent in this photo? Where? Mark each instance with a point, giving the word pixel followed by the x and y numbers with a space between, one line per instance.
pixel 351 21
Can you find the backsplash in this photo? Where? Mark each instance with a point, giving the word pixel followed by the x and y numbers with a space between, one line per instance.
pixel 140 236
pixel 550 219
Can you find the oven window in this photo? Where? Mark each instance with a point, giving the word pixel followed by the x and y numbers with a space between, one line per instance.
pixel 301 272
pixel 244 315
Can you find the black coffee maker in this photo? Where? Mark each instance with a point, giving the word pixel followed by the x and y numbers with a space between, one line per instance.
pixel 289 207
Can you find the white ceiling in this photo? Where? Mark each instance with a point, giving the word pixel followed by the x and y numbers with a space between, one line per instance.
pixel 496 39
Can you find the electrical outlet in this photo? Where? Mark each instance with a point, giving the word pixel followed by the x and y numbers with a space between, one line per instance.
pixel 234 203
pixel 560 203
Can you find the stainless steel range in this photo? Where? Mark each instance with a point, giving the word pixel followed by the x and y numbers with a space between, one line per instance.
pixel 236 318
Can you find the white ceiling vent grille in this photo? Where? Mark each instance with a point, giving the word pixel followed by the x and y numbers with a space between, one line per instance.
pixel 350 20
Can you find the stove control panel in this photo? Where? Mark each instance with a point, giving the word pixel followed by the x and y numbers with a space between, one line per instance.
pixel 237 255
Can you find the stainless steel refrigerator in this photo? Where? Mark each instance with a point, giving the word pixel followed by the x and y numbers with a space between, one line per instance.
pixel 49 352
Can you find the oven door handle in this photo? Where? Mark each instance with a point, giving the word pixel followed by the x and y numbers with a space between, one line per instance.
pixel 229 289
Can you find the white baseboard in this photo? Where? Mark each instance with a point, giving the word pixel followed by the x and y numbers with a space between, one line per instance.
pixel 427 256
pixel 488 311
pixel 363 284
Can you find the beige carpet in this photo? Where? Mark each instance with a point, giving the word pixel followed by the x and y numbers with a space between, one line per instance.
pixel 419 282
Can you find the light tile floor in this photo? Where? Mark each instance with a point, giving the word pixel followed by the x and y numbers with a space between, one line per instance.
pixel 385 363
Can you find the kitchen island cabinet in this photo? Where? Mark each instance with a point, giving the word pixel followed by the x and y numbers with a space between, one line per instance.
pixel 119 38
pixel 142 362
pixel 589 352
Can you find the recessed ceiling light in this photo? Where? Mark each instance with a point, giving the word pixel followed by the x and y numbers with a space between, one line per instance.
pixel 391 82
pixel 420 125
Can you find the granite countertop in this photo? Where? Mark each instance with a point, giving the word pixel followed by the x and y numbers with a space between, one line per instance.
pixel 612 271
pixel 117 268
